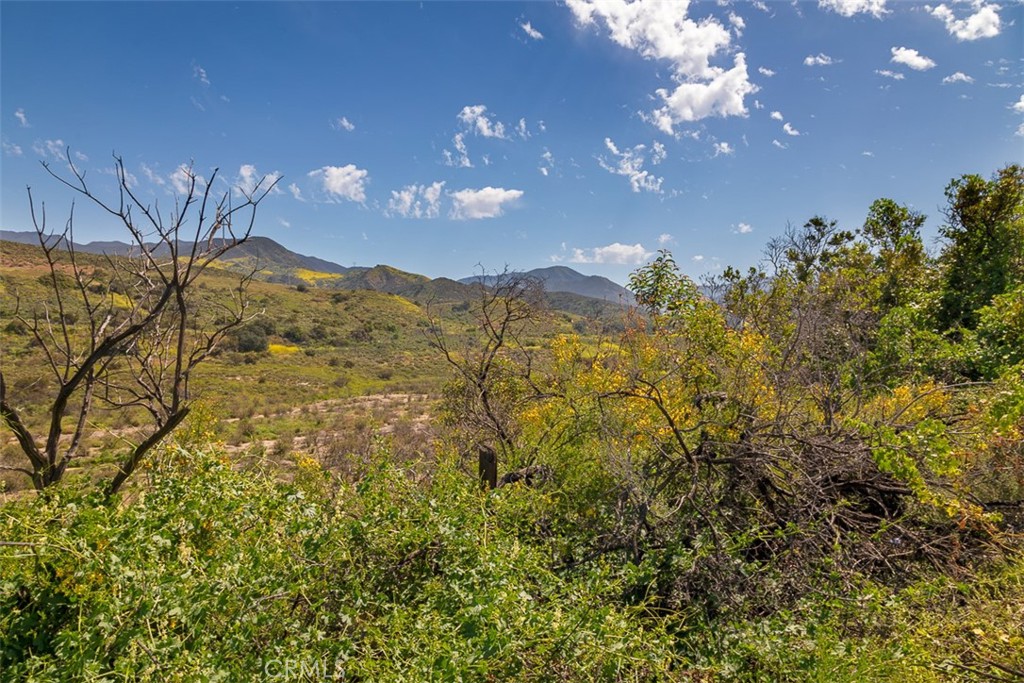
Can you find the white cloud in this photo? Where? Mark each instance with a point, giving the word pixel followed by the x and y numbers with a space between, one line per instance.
pixel 737 23
pixel 487 202
pixel 250 181
pixel 152 175
pixel 476 119
pixel 789 129
pixel 895 75
pixel 659 30
pixel 12 150
pixel 658 153
pixel 547 162
pixel 531 31
pixel 343 182
pixel 51 148
pixel 22 118
pixel 697 258
pixel 521 129
pixel 620 254
pixel 821 59
pixel 723 148
pixel 848 8
pixel 665 238
pixel 744 228
pixel 759 4
pixel 1018 106
pixel 1020 131
pixel 776 115
pixel 461 158
pixel 343 124
pixel 199 73
pixel 867 154
pixel 911 58
pixel 780 145
pixel 958 77
pixel 984 23
pixel 296 192
pixel 182 178
pixel 630 163
pixel 416 201
pixel 722 96
pixel 765 72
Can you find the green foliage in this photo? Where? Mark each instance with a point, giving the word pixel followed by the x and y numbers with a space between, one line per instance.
pixel 984 256
pixel 817 476
pixel 220 574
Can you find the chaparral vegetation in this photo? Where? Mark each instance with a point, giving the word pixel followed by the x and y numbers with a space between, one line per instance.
pixel 809 471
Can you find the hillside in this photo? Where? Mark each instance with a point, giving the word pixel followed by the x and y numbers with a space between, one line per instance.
pixel 274 262
pixel 565 279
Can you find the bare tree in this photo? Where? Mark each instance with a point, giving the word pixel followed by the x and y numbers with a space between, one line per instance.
pixel 494 368
pixel 128 335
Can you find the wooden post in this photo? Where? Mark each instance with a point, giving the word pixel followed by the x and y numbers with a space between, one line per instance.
pixel 488 468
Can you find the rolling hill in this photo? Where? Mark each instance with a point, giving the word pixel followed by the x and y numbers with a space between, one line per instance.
pixel 568 290
pixel 565 279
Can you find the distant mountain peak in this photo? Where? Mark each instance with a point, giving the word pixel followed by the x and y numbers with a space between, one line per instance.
pixel 564 279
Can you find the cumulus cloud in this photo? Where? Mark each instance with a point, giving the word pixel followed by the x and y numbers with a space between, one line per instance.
pixel 780 145
pixel 342 182
pixel 895 75
pixel 416 201
pixel 723 148
pixel 721 96
pixel 820 59
pixel 22 118
pixel 296 192
pixel 476 119
pixel 789 129
pixel 11 149
pixel 658 153
pixel 488 202
pixel 343 124
pixel 737 23
pixel 1018 106
pixel 182 178
pixel 660 30
pixel 984 23
pixel 1020 131
pixel 776 115
pixel 911 58
pixel 250 181
pixel 630 163
pixel 531 31
pixel 848 8
pixel 459 158
pixel 744 228
pixel 547 162
pixel 958 77
pixel 665 238
pixel 765 72
pixel 620 254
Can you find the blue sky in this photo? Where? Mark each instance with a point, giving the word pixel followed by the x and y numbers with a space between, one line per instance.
pixel 436 136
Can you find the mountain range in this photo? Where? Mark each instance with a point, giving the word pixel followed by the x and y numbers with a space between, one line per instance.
pixel 276 263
